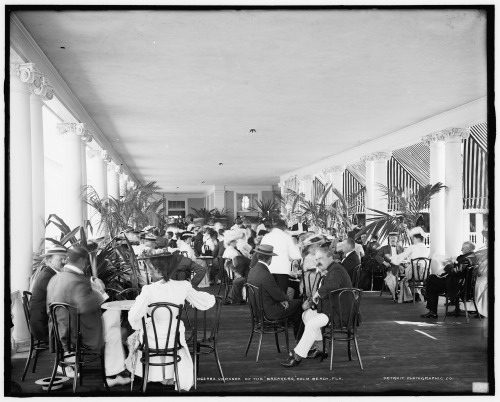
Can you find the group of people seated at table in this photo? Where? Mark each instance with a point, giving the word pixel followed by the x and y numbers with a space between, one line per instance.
pixel 269 259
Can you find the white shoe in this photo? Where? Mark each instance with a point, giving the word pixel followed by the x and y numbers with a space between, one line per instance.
pixel 118 380
pixel 69 371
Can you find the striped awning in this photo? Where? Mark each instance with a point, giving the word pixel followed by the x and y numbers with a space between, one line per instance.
pixel 318 188
pixel 415 160
pixel 351 186
pixel 475 169
pixel 358 171
pixel 399 177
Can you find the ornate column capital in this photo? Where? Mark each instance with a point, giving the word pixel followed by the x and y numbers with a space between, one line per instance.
pixel 456 134
pixel 93 153
pixel 377 156
pixel 334 169
pixel 38 84
pixel 118 169
pixel 433 138
pixel 106 157
pixel 75 128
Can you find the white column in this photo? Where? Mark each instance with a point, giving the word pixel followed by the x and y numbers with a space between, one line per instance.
pixel 96 172
pixel 479 229
pixel 380 159
pixel 20 188
pixel 370 184
pixel 41 90
pixel 306 186
pixel 435 141
pixel 453 197
pixel 72 136
pixel 113 180
pixel 376 174
pixel 123 184
pixel 335 175
pixel 219 197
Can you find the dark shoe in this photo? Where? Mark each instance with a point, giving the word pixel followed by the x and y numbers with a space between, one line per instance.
pixel 292 361
pixel 227 302
pixel 430 314
pixel 417 297
pixel 316 354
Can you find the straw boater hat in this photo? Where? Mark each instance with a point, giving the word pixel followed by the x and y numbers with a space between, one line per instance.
pixel 56 250
pixel 394 234
pixel 150 237
pixel 313 239
pixel 265 249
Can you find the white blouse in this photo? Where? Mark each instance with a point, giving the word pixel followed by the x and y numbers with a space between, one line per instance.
pixel 176 292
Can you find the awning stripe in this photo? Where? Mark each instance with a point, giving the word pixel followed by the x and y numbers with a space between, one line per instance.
pixel 475 169
pixel 416 160
pixel 351 186
pixel 318 188
pixel 399 177
pixel 358 170
pixel 480 133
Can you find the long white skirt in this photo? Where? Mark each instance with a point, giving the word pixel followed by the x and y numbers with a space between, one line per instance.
pixel 161 373
pixel 481 295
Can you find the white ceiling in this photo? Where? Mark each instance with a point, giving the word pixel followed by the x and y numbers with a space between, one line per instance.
pixel 176 92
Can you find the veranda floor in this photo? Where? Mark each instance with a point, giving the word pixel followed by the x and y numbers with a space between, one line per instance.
pixel 401 353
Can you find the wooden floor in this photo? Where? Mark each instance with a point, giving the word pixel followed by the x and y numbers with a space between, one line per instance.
pixel 401 353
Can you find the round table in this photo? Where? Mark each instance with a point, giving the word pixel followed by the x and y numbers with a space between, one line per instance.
pixel 118 305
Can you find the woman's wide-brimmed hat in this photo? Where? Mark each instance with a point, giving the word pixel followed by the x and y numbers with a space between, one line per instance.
pixel 165 263
pixel 314 239
pixel 150 237
pixel 57 384
pixel 265 249
pixel 56 250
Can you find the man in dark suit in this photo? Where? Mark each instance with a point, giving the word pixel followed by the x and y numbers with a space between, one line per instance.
pixel 276 303
pixel 351 258
pixel 299 226
pixel 39 319
pixel 383 257
pixel 448 282
pixel 336 278
pixel 72 286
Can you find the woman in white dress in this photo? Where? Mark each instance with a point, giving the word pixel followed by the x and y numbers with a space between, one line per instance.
pixel 481 290
pixel 172 291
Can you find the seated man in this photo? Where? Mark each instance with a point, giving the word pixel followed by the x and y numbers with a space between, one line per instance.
pixel 39 319
pixel 314 320
pixel 447 282
pixel 383 257
pixel 276 303
pixel 351 258
pixel 72 286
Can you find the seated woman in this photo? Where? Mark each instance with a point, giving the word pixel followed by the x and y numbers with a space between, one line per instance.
pixel 168 289
pixel 481 289
pixel 241 267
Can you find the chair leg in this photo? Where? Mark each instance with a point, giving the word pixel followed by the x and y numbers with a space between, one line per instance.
pixel 216 354
pixel 357 350
pixel 54 371
pixel 475 306
pixel 145 371
pixel 176 372
pixel 29 359
pixel 249 340
pixel 276 338
pixel 76 370
pixel 349 344
pixel 103 370
pixel 35 359
pixel 466 310
pixel 445 308
pixel 287 342
pixel 260 343
pixel 331 348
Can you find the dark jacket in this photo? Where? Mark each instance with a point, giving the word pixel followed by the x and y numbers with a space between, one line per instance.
pixel 186 266
pixel 350 262
pixel 75 289
pixel 272 295
pixel 295 227
pixel 386 250
pixel 336 278
pixel 39 319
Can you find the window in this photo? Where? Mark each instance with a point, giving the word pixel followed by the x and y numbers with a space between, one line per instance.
pixel 176 205
pixel 245 201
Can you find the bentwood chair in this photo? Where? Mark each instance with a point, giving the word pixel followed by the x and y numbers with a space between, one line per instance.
pixel 260 323
pixel 226 278
pixel 69 345
pixel 343 325
pixel 35 345
pixel 312 281
pixel 467 273
pixel 356 273
pixel 207 344
pixel 420 272
pixel 165 349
